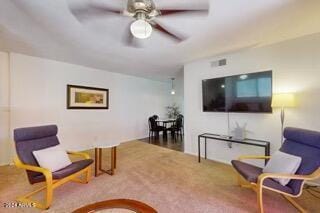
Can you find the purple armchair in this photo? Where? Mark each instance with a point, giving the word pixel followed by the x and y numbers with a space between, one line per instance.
pixel 31 139
pixel 299 142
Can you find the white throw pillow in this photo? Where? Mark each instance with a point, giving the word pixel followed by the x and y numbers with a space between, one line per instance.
pixel 53 158
pixel 283 163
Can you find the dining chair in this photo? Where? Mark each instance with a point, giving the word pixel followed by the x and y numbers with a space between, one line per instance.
pixel 177 128
pixel 299 142
pixel 154 128
pixel 32 139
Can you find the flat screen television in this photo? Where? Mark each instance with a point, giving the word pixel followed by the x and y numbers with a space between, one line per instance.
pixel 250 92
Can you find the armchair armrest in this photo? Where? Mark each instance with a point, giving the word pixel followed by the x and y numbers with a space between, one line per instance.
pixel 82 154
pixel 46 172
pixel 314 175
pixel 244 157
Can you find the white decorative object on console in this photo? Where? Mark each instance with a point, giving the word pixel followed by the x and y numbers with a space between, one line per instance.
pixel 239 133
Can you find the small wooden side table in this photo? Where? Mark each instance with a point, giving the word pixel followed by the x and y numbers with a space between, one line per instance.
pixel 98 160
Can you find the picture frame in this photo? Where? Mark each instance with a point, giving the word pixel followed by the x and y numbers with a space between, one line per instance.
pixel 83 97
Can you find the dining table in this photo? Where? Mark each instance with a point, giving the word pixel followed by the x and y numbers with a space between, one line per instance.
pixel 165 122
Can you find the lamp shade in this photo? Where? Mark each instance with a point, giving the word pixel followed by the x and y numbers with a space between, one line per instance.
pixel 283 100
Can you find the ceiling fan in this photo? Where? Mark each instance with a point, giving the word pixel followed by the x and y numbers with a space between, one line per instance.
pixel 144 13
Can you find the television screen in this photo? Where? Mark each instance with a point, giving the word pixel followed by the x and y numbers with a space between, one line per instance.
pixel 240 93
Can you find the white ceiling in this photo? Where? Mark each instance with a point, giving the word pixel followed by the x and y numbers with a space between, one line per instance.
pixel 46 28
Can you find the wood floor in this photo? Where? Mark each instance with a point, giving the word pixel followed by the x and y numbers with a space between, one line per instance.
pixel 169 143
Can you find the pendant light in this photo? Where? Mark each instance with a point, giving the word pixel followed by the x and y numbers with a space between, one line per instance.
pixel 173 92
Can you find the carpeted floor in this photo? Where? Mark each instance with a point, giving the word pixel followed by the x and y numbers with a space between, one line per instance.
pixel 167 180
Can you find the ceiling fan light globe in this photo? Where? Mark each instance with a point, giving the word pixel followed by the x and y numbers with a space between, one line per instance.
pixel 141 29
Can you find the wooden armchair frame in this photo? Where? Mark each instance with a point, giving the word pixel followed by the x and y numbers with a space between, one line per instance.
pixel 258 187
pixel 50 183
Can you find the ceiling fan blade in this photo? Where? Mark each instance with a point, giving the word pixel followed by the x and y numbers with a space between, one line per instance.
pixel 107 9
pixel 165 12
pixel 90 12
pixel 165 31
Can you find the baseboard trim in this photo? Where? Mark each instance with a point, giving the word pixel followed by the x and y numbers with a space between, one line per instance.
pixel 213 159
pixel 7 164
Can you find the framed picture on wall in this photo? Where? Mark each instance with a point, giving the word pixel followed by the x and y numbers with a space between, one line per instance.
pixel 81 97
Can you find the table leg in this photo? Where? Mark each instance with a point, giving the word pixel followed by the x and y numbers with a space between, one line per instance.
pixel 98 161
pixel 165 134
pixel 96 157
pixel 165 131
pixel 205 148
pixel 100 158
pixel 199 158
pixel 267 153
pixel 115 157
pixel 111 170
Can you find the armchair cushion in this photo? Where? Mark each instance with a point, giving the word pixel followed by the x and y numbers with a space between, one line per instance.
pixel 33 133
pixel 72 168
pixel 306 144
pixel 251 174
pixel 303 136
pixel 30 139
pixel 282 163
pixel 298 142
pixel 69 170
pixel 52 158
pixel 248 171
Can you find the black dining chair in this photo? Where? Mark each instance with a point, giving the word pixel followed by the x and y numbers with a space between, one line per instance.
pixel 177 128
pixel 154 128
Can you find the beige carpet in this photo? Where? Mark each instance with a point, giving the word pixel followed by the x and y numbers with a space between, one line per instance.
pixel 167 180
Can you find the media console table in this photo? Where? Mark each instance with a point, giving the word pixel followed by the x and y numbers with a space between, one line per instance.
pixel 225 138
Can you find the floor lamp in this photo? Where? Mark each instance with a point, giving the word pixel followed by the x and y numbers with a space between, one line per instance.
pixel 283 100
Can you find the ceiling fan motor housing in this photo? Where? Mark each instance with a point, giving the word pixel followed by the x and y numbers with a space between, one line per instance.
pixel 135 6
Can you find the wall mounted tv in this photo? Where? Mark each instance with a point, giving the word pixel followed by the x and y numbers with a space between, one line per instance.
pixel 250 92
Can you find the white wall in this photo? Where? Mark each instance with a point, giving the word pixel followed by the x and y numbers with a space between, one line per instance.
pixel 4 107
pixel 177 98
pixel 296 68
pixel 38 97
pixel 179 89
